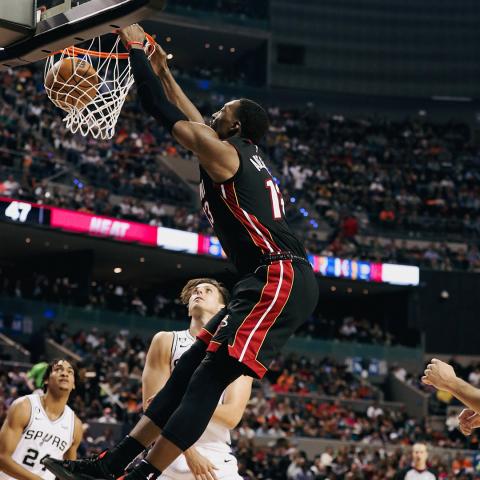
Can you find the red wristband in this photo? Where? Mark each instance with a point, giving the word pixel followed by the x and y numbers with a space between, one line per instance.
pixel 129 44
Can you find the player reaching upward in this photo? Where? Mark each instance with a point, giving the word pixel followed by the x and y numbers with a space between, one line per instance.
pixel 39 426
pixel 211 456
pixel 275 294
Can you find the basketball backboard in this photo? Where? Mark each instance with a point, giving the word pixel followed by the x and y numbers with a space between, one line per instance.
pixel 36 28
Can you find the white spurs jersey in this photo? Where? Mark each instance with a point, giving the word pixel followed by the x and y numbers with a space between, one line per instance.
pixel 215 441
pixel 42 438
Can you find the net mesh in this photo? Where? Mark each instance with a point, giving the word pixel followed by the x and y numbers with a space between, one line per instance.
pixel 90 85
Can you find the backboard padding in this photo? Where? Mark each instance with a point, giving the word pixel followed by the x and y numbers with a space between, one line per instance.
pixel 86 21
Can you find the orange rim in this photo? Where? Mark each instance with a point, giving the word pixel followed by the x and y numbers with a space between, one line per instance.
pixel 75 51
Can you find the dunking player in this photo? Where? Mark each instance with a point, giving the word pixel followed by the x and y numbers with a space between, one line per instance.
pixel 275 294
pixel 38 426
pixel 211 457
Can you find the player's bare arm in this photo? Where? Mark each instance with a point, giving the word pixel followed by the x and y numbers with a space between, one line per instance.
pixel 172 89
pixel 237 395
pixel 468 420
pixel 442 376
pixel 217 157
pixel 17 419
pixel 157 366
pixel 71 453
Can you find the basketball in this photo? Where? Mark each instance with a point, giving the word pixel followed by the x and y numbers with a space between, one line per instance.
pixel 72 82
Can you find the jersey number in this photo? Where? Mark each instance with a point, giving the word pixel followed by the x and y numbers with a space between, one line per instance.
pixel 30 458
pixel 278 205
pixel 208 213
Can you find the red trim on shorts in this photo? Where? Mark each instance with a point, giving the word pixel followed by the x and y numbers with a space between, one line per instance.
pixel 261 318
pixel 213 346
pixel 205 336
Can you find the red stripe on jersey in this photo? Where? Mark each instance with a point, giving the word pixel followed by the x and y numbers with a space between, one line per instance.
pixel 254 328
pixel 204 335
pixel 265 231
pixel 258 233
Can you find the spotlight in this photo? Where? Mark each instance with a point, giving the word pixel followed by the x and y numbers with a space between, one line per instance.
pixel 169 56
pixel 117 270
pixel 28 240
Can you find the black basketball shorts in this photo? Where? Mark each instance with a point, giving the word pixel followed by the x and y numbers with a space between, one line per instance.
pixel 266 308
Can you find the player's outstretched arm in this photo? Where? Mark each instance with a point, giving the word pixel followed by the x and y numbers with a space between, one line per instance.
pixel 172 89
pixel 230 412
pixel 17 419
pixel 442 376
pixel 219 158
pixel 468 421
pixel 71 453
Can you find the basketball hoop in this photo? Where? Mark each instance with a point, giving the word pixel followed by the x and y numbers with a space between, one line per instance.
pixel 93 102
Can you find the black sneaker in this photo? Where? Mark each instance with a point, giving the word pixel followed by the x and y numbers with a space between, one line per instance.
pixel 89 469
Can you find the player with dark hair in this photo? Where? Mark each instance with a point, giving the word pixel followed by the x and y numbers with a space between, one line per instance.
pixel 40 426
pixel 276 293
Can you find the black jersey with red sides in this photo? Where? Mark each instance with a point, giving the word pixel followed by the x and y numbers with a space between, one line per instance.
pixel 247 212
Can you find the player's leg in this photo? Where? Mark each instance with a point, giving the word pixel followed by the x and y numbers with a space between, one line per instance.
pixel 114 462
pixel 208 382
pixel 265 310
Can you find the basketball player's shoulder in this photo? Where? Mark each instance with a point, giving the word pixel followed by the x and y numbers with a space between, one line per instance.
pixel 162 343
pixel 161 338
pixel 20 410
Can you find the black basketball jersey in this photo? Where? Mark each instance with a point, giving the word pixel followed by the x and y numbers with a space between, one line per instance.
pixel 247 212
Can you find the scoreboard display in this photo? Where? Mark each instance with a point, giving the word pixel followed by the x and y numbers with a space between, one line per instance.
pixel 16 211
pixel 22 212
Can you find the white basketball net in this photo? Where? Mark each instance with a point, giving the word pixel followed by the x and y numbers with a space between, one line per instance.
pixel 99 115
